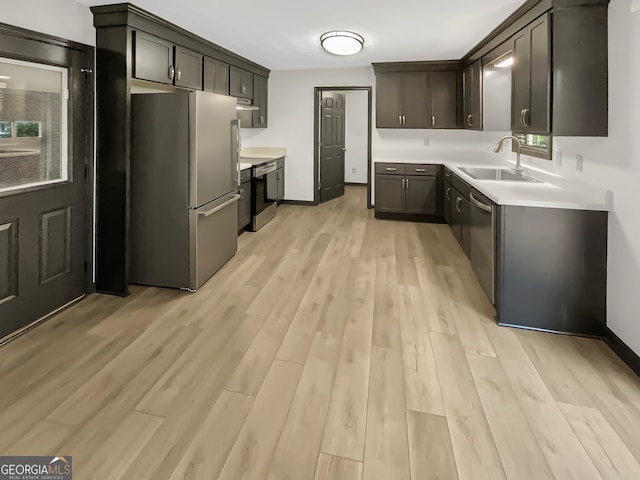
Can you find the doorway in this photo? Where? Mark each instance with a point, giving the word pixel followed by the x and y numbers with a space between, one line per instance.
pixel 45 143
pixel 333 167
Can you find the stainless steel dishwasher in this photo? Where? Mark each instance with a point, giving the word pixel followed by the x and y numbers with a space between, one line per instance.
pixel 483 242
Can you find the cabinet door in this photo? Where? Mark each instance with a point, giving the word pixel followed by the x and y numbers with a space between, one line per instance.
pixel 216 76
pixel 472 93
pixel 188 68
pixel 447 201
pixel 240 83
pixel 415 101
pixel 421 195
pixel 260 95
pixel 465 223
pixel 280 195
pixel 520 79
pixel 389 195
pixel 388 100
pixel 153 58
pixel 537 117
pixel 244 205
pixel 457 215
pixel 443 90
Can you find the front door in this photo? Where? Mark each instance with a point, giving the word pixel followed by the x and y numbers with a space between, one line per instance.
pixel 332 146
pixel 43 153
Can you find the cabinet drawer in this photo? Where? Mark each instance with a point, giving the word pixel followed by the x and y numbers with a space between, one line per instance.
pixel 431 170
pixel 390 168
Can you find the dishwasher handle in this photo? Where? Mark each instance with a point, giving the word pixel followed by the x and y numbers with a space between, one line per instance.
pixel 260 171
pixel 208 213
pixel 480 205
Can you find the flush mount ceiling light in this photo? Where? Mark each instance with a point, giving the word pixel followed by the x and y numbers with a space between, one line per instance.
pixel 341 42
pixel 4 77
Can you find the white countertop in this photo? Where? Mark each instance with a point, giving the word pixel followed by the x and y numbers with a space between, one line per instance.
pixel 245 165
pixel 262 153
pixel 553 193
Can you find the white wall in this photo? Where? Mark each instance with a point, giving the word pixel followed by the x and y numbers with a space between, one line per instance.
pixel 356 127
pixel 62 18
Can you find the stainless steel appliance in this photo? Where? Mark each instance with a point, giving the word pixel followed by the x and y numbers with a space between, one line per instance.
pixel 184 180
pixel 264 194
pixel 483 242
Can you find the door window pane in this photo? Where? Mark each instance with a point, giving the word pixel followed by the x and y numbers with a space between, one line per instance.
pixel 33 125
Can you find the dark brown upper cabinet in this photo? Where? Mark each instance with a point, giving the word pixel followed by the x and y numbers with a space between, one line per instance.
pixel 188 68
pixel 216 76
pixel 240 83
pixel 157 60
pixel 153 58
pixel 530 78
pixel 260 100
pixel 443 99
pixel 416 99
pixel 472 96
pixel 402 100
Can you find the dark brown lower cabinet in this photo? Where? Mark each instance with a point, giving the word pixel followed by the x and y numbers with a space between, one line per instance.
pixel 421 197
pixel 407 189
pixel 390 197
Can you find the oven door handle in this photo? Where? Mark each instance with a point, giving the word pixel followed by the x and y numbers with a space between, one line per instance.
pixel 480 205
pixel 260 171
pixel 208 213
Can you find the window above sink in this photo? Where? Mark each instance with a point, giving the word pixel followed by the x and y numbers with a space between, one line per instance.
pixel 535 145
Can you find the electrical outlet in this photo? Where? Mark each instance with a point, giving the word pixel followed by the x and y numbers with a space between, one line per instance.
pixel 558 157
pixel 353 170
pixel 427 141
pixel 579 163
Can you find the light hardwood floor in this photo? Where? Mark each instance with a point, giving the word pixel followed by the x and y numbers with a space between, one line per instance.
pixel 332 347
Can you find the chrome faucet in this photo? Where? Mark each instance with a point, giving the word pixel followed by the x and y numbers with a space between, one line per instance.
pixel 498 149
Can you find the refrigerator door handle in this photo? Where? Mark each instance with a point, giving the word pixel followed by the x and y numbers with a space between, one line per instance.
pixel 235 128
pixel 233 199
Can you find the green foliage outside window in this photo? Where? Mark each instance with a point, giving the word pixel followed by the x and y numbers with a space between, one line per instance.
pixel 27 129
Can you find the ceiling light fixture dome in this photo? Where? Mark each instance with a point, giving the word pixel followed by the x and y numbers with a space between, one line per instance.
pixel 341 42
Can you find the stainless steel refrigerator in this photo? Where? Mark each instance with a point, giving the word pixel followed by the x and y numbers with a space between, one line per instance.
pixel 184 180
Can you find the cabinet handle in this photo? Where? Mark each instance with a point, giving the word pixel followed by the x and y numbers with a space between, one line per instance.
pixel 261 118
pixel 433 120
pixel 420 170
pixel 403 183
pixel 404 120
pixel 400 119
pixel 522 117
pixel 448 193
pixel 407 180
pixel 390 169
pixel 241 193
pixel 244 89
pixel 469 120
pixel 458 200
pixel 179 74
pixel 525 122
pixel 172 72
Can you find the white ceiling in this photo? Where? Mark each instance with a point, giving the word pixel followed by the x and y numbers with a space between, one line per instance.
pixel 284 34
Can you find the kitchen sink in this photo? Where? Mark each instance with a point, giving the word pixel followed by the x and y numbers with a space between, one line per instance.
pixel 500 174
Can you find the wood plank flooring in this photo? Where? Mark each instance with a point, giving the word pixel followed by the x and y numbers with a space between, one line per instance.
pixel 333 346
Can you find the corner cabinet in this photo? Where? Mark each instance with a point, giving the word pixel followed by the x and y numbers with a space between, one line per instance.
pixel 472 96
pixel 416 99
pixel 408 189
pixel 160 61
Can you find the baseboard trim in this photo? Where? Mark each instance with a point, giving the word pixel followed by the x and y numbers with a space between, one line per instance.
pixel 408 217
pixel 355 184
pixel 623 351
pixel 303 203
